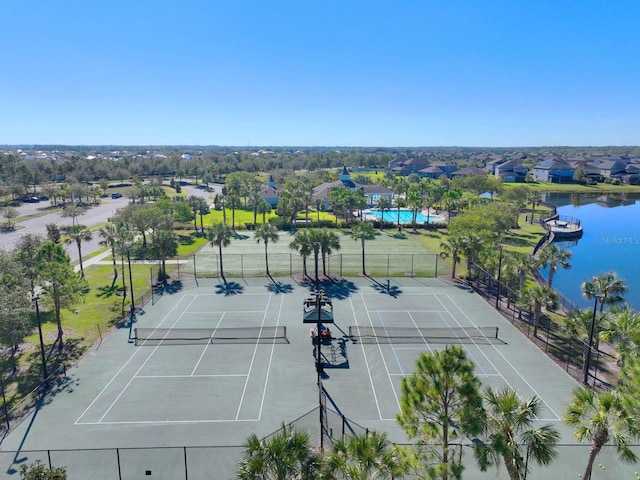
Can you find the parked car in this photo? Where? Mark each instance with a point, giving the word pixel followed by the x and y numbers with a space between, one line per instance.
pixel 30 199
pixel 116 195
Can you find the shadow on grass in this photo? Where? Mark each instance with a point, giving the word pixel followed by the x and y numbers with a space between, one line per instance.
pixel 109 291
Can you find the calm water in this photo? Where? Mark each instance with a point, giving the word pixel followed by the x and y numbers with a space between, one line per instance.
pixel 611 242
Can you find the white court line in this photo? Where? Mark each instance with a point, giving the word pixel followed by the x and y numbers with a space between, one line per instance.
pixel 121 368
pixel 386 367
pixel 143 363
pixel 366 361
pixel 195 376
pixel 204 350
pixel 165 422
pixel 253 358
pixel 416 325
pixel 273 347
pixel 224 311
pixel 506 361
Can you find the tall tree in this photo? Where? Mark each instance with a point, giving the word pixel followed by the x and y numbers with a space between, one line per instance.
pixel 165 244
pixel 302 244
pixel 608 287
pixel 219 235
pixel 363 231
pixel 577 326
pixel 601 418
pixel 452 247
pixel 78 234
pixel 365 457
pixel 384 204
pixel 441 402
pixel 287 455
pixel 109 235
pixel 555 257
pixel 15 307
pixel 329 242
pixel 266 233
pixel 25 253
pixel 61 285
pixel 510 434
pixel 536 299
pixel 622 327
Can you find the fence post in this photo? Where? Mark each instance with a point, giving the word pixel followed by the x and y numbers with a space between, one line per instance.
pixel 186 471
pixel 153 294
pixel 119 468
pixel 195 272
pixel 436 255
pixel 412 265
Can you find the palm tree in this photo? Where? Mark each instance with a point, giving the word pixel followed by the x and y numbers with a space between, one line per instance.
pixel 578 326
pixel 472 245
pixel 329 241
pixel 608 287
pixel 363 231
pixel 622 327
pixel 287 455
pixel 522 264
pixel 234 202
pixel 383 204
pixel 364 458
pixel 164 241
pixel 302 244
pixel 220 235
pixel 599 419
pixel 555 257
pixel 537 298
pixel 78 234
pixel 109 234
pixel 266 232
pixel 511 434
pixel 453 248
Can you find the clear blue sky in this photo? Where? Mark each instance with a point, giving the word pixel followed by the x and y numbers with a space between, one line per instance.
pixel 327 73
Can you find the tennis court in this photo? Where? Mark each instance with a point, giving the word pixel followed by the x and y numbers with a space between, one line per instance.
pixel 211 364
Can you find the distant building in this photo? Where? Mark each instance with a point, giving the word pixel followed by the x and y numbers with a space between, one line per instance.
pixel 270 193
pixel 372 192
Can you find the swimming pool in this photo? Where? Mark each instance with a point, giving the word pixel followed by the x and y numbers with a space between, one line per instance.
pixel 405 216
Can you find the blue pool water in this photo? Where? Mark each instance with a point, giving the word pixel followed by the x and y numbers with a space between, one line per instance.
pixel 405 216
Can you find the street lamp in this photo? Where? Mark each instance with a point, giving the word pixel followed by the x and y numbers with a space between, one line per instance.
pixel 316 250
pixel 44 360
pixel 133 301
pixel 499 275
pixel 585 380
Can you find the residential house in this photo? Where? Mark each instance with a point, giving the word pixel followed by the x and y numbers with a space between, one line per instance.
pixel 553 171
pixel 372 192
pixel 270 193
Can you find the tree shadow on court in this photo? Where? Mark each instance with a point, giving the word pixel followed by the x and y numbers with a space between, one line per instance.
pixel 279 287
pixel 338 289
pixel 168 288
pixel 229 288
pixel 385 288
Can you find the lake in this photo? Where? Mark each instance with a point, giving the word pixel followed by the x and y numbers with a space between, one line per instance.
pixel 611 242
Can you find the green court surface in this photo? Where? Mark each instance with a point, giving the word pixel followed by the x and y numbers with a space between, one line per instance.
pixel 182 409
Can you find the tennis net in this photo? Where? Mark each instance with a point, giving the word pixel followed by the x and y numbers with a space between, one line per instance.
pixel 426 334
pixel 181 336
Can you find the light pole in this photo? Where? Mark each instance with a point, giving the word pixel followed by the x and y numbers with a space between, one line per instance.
pixel 316 250
pixel 499 275
pixel 133 301
pixel 585 380
pixel 44 360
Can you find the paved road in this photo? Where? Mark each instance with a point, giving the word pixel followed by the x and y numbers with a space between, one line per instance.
pixel 93 216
